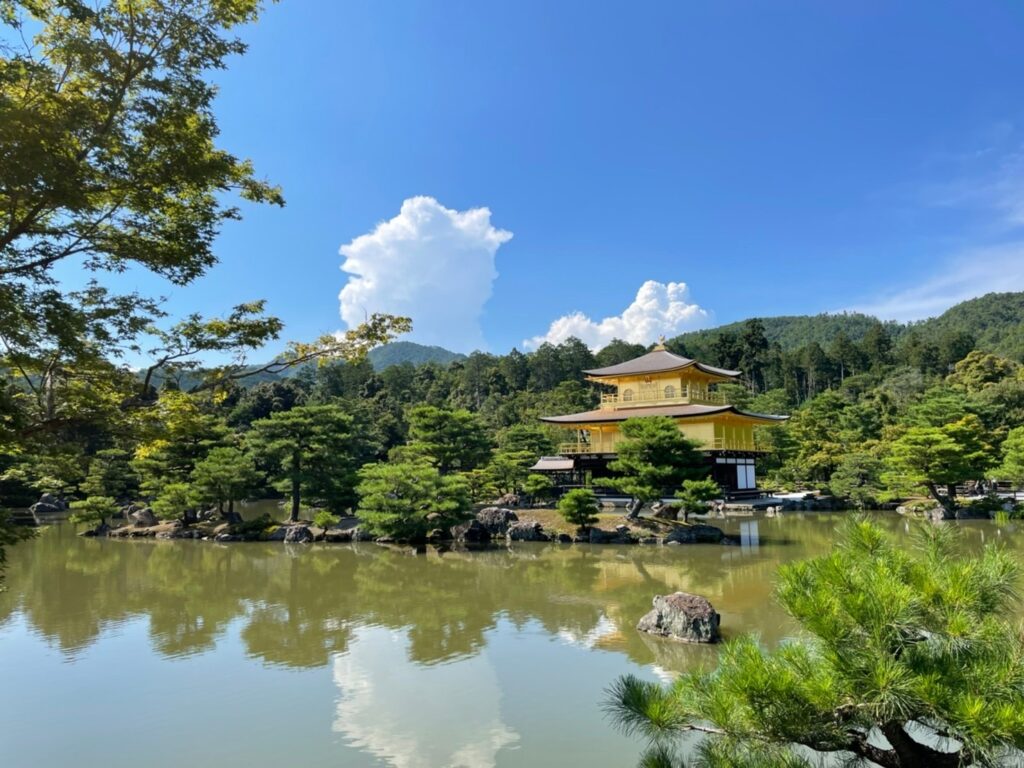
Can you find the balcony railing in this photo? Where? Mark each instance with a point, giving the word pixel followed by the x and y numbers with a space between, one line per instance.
pixel 718 444
pixel 685 397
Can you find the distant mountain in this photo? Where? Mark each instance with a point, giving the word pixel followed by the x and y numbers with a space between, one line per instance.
pixel 995 321
pixel 398 352
pixel 794 331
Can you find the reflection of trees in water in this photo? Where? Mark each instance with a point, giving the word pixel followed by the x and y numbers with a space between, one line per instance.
pixel 300 605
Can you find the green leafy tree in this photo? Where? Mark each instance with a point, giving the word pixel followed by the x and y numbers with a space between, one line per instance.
pixel 405 500
pixel 533 439
pixel 225 476
pixel 479 484
pixel 654 458
pixel 539 488
pixel 111 474
pixel 94 509
pixel 928 458
pixel 859 478
pixel 176 501
pixel 1012 468
pixel 309 448
pixel 980 370
pixel 180 431
pixel 452 439
pixel 579 507
pixel 508 470
pixel 694 495
pixel 110 160
pixel 915 645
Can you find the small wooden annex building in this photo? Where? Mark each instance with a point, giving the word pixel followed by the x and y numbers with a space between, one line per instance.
pixel 661 383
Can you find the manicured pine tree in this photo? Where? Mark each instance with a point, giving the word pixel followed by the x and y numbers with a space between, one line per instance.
pixel 305 449
pixel 225 476
pixel 694 496
pixel 452 439
pixel 395 499
pixel 579 507
pixel 654 458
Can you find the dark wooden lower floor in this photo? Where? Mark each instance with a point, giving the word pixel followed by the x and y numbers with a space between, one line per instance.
pixel 734 471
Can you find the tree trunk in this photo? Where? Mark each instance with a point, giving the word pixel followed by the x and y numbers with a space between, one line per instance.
pixel 633 508
pixel 948 503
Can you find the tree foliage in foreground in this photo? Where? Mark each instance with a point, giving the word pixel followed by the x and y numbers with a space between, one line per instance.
pixel 913 644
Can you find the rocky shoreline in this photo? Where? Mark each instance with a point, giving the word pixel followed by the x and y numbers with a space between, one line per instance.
pixel 491 525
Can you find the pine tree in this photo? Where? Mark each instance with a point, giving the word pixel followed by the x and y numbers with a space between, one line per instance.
pixel 917 646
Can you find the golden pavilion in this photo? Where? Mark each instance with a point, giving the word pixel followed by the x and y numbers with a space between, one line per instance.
pixel 661 383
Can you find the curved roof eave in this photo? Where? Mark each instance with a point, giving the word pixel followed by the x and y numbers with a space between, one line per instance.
pixel 675 412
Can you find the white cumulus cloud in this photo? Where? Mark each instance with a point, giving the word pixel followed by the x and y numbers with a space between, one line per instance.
pixel 430 263
pixel 659 308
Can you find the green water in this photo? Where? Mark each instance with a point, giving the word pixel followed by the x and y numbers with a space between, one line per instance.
pixel 172 653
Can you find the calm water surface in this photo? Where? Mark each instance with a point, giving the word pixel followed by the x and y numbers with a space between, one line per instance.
pixel 171 653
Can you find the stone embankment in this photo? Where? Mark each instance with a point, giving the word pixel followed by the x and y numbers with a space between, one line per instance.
pixel 491 525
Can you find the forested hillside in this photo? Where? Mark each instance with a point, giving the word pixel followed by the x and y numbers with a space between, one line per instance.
pixel 793 331
pixel 995 321
pixel 409 352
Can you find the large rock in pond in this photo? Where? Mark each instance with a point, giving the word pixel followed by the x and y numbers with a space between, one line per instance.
pixel 496 520
pixel 48 504
pixel 298 534
pixel 472 531
pixel 695 534
pixel 526 530
pixel 682 616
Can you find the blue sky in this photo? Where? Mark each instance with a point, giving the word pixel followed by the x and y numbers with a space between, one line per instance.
pixel 776 157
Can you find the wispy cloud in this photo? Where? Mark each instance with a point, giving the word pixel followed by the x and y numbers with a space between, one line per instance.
pixel 659 308
pixel 992 182
pixel 971 273
pixel 986 182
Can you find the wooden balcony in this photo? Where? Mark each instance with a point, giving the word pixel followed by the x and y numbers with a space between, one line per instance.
pixel 685 397
pixel 718 444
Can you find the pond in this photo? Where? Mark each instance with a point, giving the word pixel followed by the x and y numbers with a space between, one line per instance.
pixel 170 653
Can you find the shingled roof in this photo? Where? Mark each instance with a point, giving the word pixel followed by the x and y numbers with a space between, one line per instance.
pixel 676 411
pixel 658 361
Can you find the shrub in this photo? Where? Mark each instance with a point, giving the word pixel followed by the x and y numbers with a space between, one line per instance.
pixel 539 487
pixel 398 498
pixel 174 501
pixel 94 509
pixel 694 495
pixel 325 519
pixel 579 507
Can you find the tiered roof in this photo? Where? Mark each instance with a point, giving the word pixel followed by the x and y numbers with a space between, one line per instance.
pixel 675 411
pixel 659 360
